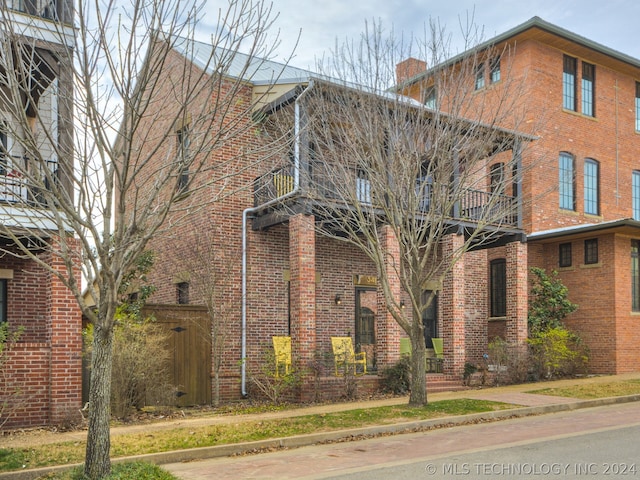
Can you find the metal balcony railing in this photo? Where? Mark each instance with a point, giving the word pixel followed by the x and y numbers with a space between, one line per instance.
pixel 471 206
pixel 15 188
pixel 47 9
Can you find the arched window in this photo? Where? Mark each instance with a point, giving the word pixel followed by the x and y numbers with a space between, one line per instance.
pixel 566 182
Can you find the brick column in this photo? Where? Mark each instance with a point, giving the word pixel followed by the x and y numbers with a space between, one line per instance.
pixel 302 262
pixel 65 321
pixel 517 292
pixel 387 329
pixel 453 309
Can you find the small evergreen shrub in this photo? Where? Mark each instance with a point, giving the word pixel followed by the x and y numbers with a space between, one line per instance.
pixel 396 379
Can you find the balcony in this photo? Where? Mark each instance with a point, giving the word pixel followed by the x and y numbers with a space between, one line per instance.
pixel 47 9
pixel 321 187
pixel 15 189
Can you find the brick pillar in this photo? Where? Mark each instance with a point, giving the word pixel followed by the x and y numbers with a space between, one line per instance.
pixel 453 309
pixel 517 292
pixel 302 261
pixel 387 329
pixel 65 322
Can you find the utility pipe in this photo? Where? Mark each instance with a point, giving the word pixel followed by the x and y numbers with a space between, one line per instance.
pixel 251 211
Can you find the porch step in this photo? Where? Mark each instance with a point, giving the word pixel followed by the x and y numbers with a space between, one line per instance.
pixel 439 382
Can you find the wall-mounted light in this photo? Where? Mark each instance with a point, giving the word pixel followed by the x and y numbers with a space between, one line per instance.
pixel 402 304
pixel 338 299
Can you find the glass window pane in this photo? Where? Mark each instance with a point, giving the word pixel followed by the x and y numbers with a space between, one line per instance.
pixel 569 83
pixel 499 288
pixel 566 182
pixel 637 106
pixel 588 83
pixel 635 195
pixel 635 276
pixel 591 190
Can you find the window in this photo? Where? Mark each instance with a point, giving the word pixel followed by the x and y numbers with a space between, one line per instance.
pixel 637 106
pixel 591 251
pixel 430 98
pixel 591 187
pixel 497 178
pixel 480 76
pixel 588 89
pixel 498 288
pixel 564 255
pixel 569 83
pixel 635 194
pixel 635 275
pixel 566 182
pixel 4 148
pixel 3 301
pixel 494 76
pixel 182 291
pixel 184 143
pixel 363 187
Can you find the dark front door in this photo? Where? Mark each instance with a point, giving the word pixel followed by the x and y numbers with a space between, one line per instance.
pixel 430 318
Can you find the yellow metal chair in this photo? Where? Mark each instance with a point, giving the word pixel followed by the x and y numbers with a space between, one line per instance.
pixel 344 356
pixel 283 184
pixel 405 347
pixel 282 349
pixel 438 349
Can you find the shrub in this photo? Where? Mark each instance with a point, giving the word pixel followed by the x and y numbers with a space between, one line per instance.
pixel 558 352
pixel 510 361
pixel 549 302
pixel 11 395
pixel 140 368
pixel 275 386
pixel 396 379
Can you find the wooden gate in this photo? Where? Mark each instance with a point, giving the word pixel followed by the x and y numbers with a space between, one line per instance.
pixel 189 342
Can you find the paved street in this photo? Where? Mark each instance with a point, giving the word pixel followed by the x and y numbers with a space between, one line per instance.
pixel 452 451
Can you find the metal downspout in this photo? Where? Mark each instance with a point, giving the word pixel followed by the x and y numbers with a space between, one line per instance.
pixel 250 211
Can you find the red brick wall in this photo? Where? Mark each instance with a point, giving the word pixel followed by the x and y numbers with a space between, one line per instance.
pixel 44 368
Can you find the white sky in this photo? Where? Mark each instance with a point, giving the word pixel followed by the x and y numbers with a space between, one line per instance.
pixel 613 23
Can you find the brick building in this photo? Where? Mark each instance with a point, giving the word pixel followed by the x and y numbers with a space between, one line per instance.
pixel 41 381
pixel 581 180
pixel 282 277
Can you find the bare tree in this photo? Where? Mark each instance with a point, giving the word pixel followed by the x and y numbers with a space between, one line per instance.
pixel 379 161
pixel 124 147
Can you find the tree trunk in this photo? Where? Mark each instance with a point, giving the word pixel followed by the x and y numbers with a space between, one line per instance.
pixel 418 396
pixel 97 461
pixel 216 388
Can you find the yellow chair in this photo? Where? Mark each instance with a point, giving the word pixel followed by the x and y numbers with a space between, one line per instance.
pixel 282 349
pixel 283 184
pixel 344 356
pixel 438 349
pixel 405 347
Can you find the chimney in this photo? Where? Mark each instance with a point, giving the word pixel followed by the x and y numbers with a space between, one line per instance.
pixel 409 68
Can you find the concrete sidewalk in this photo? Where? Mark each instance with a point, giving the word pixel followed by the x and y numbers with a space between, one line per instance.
pixel 526 404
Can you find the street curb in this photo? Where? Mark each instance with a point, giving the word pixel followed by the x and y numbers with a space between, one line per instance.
pixel 192 454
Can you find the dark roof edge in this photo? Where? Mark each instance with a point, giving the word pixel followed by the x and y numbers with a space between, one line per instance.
pixel 534 22
pixel 581 229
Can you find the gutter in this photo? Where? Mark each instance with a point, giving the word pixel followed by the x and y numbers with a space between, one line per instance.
pixel 249 212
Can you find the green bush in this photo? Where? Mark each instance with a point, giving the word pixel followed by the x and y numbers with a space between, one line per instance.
pixel 396 379
pixel 549 302
pixel 558 352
